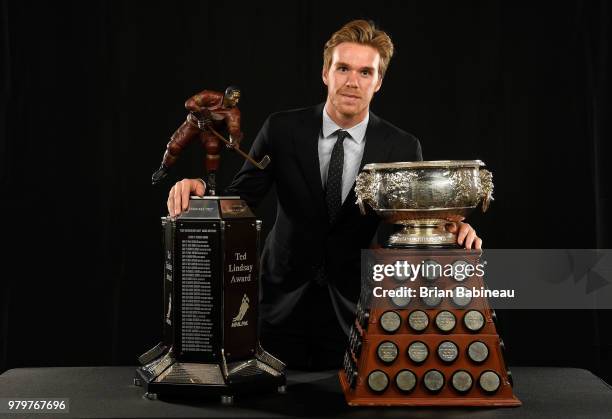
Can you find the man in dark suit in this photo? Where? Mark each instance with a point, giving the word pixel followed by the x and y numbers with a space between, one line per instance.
pixel 311 259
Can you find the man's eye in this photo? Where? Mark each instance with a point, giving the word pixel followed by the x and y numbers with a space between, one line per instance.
pixel 365 73
pixel 343 69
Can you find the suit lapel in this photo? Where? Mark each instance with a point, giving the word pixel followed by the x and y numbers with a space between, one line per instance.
pixel 374 150
pixel 307 151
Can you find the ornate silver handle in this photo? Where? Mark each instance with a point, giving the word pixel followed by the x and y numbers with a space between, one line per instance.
pixel 486 188
pixel 364 190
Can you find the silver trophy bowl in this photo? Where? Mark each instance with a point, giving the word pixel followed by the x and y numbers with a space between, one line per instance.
pixel 424 196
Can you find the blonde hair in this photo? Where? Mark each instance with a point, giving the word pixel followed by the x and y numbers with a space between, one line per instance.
pixel 361 32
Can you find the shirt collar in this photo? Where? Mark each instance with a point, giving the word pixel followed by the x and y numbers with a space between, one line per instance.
pixel 357 132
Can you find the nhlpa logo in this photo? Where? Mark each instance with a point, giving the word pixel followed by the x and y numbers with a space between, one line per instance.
pixel 244 306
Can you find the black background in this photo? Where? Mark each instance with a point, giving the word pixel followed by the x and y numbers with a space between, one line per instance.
pixel 91 92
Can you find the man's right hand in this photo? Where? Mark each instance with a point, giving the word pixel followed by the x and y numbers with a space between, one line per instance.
pixel 178 198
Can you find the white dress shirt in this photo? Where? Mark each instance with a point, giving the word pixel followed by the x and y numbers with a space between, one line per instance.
pixel 353 150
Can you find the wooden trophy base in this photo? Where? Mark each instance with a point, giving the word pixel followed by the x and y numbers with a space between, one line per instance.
pixel 417 351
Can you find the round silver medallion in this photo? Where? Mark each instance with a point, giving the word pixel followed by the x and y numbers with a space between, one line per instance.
pixel 446 321
pixel 431 270
pixel 418 352
pixel 433 380
pixel 448 351
pixel 378 381
pixel 405 380
pixel 400 302
pixel 462 381
pixel 418 320
pixel 387 352
pixel 431 300
pixel 459 270
pixel 390 321
pixel 462 301
pixel 489 381
pixel 473 320
pixel 478 351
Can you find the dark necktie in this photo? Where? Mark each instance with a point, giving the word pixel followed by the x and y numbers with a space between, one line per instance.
pixel 333 189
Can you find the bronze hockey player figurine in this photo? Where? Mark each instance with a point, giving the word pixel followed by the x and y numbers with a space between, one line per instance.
pixel 209 112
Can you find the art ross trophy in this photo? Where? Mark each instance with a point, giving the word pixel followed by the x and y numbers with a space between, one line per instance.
pixel 210 343
pixel 419 339
pixel 423 197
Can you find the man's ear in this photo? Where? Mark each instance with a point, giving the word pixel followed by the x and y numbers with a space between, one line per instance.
pixel 380 80
pixel 324 75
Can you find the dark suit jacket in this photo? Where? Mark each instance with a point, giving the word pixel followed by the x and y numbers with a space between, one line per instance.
pixel 306 262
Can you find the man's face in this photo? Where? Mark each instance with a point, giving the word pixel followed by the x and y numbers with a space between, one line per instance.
pixel 352 79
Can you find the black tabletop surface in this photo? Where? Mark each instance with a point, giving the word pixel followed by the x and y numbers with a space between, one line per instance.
pixel 109 392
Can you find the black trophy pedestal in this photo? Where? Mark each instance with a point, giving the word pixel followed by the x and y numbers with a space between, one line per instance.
pixel 211 291
pixel 261 374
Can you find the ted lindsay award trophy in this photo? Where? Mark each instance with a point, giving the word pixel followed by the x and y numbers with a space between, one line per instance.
pixel 422 337
pixel 210 343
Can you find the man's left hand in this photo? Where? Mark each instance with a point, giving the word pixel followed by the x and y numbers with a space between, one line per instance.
pixel 465 234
